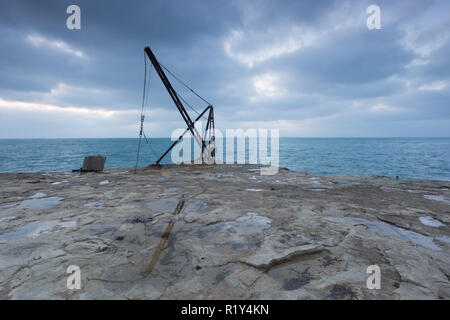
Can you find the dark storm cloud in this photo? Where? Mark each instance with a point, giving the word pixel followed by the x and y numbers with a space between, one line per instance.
pixel 299 65
pixel 112 37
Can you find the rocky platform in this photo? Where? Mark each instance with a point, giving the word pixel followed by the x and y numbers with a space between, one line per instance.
pixel 239 235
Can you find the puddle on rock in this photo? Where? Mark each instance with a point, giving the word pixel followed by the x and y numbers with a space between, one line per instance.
pixel 39 203
pixel 35 229
pixel 315 180
pixel 8 205
pixel 198 205
pixel 318 189
pixel 436 198
pixel 341 292
pixel 443 238
pixel 59 182
pixel 38 195
pixel 429 221
pixel 95 205
pixel 104 229
pixel 163 205
pixel 388 230
pixel 169 190
pixel 135 203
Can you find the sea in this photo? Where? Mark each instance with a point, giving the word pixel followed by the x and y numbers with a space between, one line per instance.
pixel 408 158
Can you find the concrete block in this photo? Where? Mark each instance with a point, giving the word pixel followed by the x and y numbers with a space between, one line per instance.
pixel 94 163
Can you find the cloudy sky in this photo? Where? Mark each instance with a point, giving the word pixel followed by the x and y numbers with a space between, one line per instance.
pixel 308 68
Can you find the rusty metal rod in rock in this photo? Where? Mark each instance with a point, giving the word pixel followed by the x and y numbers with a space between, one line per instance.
pixel 164 237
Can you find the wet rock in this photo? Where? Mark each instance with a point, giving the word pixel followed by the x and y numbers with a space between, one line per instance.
pixel 268 256
pixel 39 203
pixel 139 219
pixel 429 221
pixel 240 235
pixel 341 292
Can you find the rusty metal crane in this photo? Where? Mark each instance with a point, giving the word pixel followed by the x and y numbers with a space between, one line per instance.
pixel 206 141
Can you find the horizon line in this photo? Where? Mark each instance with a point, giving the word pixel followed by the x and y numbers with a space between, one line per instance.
pixel 289 137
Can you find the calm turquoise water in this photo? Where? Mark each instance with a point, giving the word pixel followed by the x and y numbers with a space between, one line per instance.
pixel 409 158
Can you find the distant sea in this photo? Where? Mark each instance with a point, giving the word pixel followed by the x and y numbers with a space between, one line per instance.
pixel 408 158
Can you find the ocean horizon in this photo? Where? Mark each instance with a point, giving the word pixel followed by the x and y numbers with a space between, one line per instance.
pixel 408 158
